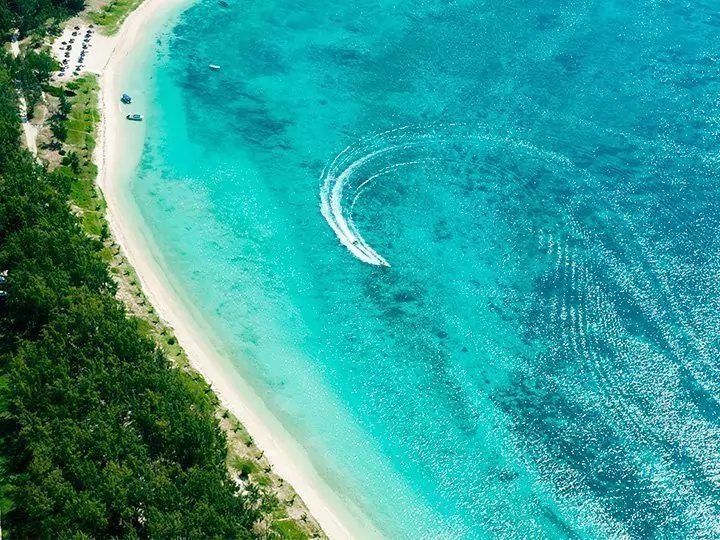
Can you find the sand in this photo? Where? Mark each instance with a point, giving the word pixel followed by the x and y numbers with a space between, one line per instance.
pixel 339 518
pixel 29 130
pixel 96 52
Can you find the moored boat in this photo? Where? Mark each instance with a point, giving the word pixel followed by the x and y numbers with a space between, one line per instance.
pixel 135 117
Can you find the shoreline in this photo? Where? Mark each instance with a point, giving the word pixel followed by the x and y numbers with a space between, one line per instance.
pixel 338 518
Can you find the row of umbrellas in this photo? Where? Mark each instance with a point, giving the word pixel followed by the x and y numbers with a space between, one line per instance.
pixel 67 46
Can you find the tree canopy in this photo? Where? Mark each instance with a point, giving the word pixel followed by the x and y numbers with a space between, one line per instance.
pixel 29 14
pixel 100 435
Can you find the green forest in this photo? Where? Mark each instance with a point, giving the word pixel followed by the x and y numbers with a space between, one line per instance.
pixel 27 15
pixel 101 436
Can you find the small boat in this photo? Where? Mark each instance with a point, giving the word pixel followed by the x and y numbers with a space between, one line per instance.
pixel 135 117
pixel 125 98
pixel 214 66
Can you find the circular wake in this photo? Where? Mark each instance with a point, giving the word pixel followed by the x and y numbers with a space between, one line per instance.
pixel 353 169
pixel 345 179
pixel 331 206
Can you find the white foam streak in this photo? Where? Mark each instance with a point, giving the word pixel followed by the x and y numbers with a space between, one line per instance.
pixel 343 181
pixel 331 196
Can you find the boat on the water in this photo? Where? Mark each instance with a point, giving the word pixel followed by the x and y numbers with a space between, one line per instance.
pixel 125 98
pixel 214 66
pixel 135 117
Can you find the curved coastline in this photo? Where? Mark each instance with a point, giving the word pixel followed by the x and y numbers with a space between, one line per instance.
pixel 338 518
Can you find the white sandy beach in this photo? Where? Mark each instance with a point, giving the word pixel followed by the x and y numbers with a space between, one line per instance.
pixel 94 48
pixel 338 518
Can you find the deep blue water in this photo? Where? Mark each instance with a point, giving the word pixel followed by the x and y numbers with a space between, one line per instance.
pixel 467 252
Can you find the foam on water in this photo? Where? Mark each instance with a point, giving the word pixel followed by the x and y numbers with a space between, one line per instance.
pixel 331 196
pixel 345 179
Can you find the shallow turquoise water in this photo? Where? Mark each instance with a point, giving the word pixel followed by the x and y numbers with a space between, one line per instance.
pixel 467 252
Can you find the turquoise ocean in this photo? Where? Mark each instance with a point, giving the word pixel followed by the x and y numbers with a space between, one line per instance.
pixel 468 253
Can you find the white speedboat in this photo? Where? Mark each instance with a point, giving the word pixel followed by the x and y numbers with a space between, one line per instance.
pixel 214 66
pixel 135 117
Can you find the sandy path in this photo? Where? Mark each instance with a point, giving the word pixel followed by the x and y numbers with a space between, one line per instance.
pixel 30 131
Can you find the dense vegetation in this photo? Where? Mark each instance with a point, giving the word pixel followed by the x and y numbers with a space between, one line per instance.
pixel 100 435
pixel 113 13
pixel 30 14
pixel 32 71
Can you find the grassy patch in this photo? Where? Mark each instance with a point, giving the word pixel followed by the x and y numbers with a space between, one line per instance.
pixel 244 467
pixel 113 13
pixel 81 125
pixel 262 480
pixel 145 328
pixel 289 529
pixel 107 255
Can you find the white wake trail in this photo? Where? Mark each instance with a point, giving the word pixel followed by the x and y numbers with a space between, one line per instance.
pixel 343 181
pixel 331 196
